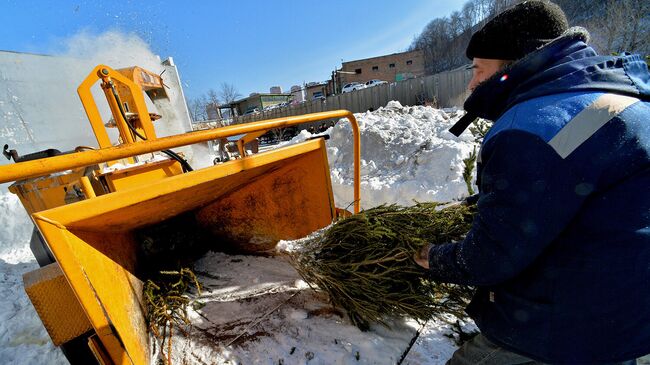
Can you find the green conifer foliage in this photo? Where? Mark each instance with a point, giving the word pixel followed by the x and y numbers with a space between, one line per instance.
pixel 365 262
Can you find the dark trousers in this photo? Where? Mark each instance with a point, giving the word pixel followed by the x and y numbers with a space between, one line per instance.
pixel 481 351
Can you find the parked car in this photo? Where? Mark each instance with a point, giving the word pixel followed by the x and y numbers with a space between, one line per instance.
pixel 375 82
pixel 353 86
pixel 286 104
pixel 318 96
pixel 252 111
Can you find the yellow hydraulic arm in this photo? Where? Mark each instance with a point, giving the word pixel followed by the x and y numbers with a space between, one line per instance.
pixel 108 76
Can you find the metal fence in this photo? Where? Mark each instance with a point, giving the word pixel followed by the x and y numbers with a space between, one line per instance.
pixel 447 89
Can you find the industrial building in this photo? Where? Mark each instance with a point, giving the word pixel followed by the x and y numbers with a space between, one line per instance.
pixel 393 67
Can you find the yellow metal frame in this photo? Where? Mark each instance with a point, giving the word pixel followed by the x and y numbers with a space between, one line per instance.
pixel 140 175
pixel 241 143
pixel 47 192
pixel 107 75
pixel 56 305
pixel 93 242
pixel 35 168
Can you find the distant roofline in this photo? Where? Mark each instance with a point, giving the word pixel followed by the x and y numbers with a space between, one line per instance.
pixel 256 95
pixel 169 61
pixel 316 83
pixel 388 55
pixel 29 53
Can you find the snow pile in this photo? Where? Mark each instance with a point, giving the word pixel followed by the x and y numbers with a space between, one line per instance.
pixel 23 339
pixel 202 156
pixel 407 155
pixel 15 230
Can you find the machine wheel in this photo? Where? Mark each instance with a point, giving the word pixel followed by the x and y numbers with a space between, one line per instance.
pixel 77 352
pixel 40 250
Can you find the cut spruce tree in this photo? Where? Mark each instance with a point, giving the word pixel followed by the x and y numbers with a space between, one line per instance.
pixel 365 262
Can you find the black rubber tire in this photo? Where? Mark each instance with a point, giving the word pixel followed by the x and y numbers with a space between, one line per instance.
pixel 40 250
pixel 77 352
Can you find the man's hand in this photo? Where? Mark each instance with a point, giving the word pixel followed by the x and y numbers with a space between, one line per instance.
pixel 422 257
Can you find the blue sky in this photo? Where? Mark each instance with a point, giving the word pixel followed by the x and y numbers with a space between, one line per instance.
pixel 251 44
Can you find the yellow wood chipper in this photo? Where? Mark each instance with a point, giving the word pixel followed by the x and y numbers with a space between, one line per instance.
pixel 87 212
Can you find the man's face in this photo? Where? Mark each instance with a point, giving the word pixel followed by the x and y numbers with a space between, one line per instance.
pixel 483 68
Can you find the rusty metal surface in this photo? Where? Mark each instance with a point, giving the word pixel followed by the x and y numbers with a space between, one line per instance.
pixel 288 202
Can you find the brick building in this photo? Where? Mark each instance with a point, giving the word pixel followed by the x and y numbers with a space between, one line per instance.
pixel 311 91
pixel 393 67
pixel 316 90
pixel 256 103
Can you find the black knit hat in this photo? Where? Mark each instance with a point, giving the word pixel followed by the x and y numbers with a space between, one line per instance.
pixel 518 31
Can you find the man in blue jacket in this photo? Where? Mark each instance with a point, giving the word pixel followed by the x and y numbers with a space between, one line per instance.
pixel 560 247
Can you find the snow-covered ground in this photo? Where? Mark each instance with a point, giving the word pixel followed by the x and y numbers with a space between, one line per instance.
pixel 257 309
pixel 23 339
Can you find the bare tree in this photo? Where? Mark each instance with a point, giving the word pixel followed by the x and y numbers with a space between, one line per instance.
pixel 623 26
pixel 212 105
pixel 434 41
pixel 469 14
pixel 443 40
pixel 636 34
pixel 228 93
pixel 501 5
pixel 605 29
pixel 615 25
pixel 640 22
pixel 197 108
pixel 213 97
pixel 211 100
pixel 484 8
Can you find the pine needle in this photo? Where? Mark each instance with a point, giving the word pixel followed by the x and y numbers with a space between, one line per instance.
pixel 365 262
pixel 167 303
pixel 468 167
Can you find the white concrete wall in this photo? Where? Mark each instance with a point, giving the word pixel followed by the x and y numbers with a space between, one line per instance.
pixel 40 108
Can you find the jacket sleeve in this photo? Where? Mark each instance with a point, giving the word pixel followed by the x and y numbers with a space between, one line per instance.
pixel 528 195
